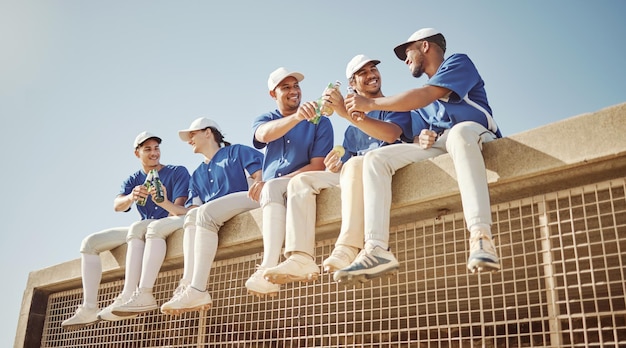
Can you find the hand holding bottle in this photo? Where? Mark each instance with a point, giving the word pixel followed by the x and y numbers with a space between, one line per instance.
pixel 154 194
pixel 355 115
pixel 323 109
pixel 140 193
pixel 159 195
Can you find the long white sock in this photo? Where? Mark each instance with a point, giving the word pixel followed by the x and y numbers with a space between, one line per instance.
pixel 91 270
pixel 274 221
pixel 205 249
pixel 134 257
pixel 153 258
pixel 189 240
pixel 480 228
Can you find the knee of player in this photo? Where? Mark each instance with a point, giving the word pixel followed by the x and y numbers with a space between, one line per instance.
pixel 136 233
pixel 301 182
pixel 87 246
pixel 205 220
pixel 190 217
pixel 464 134
pixel 154 234
pixel 373 158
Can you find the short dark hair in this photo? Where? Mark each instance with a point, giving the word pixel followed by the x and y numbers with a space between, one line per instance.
pixel 439 40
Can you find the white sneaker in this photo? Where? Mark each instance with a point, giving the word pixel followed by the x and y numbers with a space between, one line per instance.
pixel 482 254
pixel 341 257
pixel 84 316
pixel 297 268
pixel 141 301
pixel 368 265
pixel 107 314
pixel 257 285
pixel 189 300
pixel 182 285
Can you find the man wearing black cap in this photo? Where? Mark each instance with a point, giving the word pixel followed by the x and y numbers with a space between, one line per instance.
pixel 451 114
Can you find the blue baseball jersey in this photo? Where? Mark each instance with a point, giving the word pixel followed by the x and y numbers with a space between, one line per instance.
pixel 296 148
pixel 176 182
pixel 357 143
pixel 466 102
pixel 227 172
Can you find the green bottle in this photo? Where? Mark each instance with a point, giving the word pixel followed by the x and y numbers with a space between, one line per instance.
pixel 158 187
pixel 321 109
pixel 146 184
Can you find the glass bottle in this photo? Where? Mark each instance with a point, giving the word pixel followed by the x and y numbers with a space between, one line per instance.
pixel 158 187
pixel 357 115
pixel 322 108
pixel 146 184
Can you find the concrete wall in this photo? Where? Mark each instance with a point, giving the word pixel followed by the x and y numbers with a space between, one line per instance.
pixel 577 151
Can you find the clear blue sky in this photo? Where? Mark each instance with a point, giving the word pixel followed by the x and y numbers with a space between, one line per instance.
pixel 79 79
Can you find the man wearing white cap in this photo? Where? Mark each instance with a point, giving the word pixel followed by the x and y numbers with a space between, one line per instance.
pixel 374 130
pixel 455 118
pixel 292 146
pixel 174 178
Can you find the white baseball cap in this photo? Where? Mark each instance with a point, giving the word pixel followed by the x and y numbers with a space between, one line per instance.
pixel 198 124
pixel 142 137
pixel 278 75
pixel 357 63
pixel 421 34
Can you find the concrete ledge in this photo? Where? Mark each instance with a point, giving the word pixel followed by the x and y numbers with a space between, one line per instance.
pixel 573 152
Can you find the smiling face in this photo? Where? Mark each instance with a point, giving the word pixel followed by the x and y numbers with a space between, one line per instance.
pixel 287 95
pixel 199 139
pixel 149 153
pixel 415 58
pixel 367 80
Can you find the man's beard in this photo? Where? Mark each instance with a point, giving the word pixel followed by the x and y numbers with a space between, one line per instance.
pixel 418 67
pixel 418 71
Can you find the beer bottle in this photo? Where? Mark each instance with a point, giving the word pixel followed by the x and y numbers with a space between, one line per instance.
pixel 158 187
pixel 322 108
pixel 146 184
pixel 357 115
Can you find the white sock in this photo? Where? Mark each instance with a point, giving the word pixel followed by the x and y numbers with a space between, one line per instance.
pixel 91 270
pixel 205 250
pixel 371 244
pixel 153 258
pixel 189 240
pixel 274 229
pixel 134 257
pixel 480 228
pixel 349 250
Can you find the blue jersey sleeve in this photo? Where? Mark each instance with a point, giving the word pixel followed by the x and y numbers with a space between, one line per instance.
pixel 180 183
pixel 252 159
pixel 324 138
pixel 458 74
pixel 135 179
pixel 467 100
pixel 260 120
pixel 403 120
